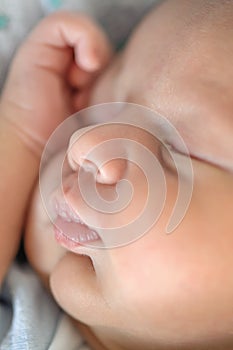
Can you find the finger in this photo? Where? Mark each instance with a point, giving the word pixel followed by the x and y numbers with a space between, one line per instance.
pixel 81 99
pixel 78 78
pixel 62 31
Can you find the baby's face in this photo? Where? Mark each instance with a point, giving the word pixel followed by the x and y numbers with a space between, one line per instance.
pixel 161 289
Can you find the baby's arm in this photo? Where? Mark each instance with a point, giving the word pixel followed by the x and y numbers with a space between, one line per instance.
pixel 50 79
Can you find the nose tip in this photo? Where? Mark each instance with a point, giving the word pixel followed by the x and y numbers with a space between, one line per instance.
pixel 107 165
pixel 109 174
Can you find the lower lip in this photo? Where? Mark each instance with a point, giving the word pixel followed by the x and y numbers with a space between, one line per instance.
pixel 72 234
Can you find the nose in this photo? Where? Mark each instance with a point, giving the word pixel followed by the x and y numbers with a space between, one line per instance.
pixel 98 150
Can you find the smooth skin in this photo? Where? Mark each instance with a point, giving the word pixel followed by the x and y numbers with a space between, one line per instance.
pixel 161 292
pixel 49 79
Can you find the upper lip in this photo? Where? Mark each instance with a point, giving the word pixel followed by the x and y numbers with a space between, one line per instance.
pixel 64 210
pixel 67 214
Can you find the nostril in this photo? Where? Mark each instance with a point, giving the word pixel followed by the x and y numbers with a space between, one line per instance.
pixel 109 173
pixel 85 164
pixel 89 166
pixel 105 161
pixel 112 172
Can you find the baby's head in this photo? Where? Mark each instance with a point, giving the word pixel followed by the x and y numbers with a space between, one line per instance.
pixel 161 291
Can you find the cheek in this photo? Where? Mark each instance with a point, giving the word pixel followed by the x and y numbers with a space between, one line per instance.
pixel 180 286
pixel 178 289
pixel 102 91
pixel 110 87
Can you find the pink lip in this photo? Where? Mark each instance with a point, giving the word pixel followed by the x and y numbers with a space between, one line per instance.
pixel 70 230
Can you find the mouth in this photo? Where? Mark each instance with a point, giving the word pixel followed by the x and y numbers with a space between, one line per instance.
pixel 70 230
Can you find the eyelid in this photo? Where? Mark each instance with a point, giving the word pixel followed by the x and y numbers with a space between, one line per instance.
pixel 163 158
pixel 166 152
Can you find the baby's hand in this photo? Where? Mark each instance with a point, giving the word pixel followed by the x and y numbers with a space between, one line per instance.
pixel 50 79
pixel 52 74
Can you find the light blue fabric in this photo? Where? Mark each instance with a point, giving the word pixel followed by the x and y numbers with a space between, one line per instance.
pixel 28 315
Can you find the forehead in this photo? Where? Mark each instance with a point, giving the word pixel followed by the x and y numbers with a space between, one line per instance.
pixel 187 76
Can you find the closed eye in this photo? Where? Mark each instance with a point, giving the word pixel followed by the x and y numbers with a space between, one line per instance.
pixel 172 159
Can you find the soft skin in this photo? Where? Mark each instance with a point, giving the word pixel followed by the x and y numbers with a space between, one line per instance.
pixel 49 79
pixel 161 292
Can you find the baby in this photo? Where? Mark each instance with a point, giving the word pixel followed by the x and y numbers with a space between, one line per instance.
pixel 161 291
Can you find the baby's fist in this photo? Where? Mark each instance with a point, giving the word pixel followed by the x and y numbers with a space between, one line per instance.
pixel 51 75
